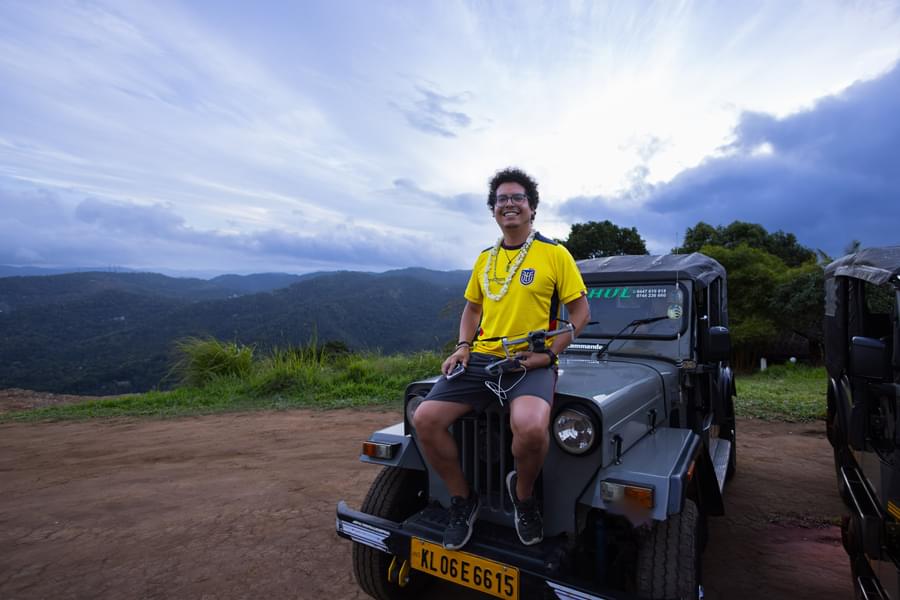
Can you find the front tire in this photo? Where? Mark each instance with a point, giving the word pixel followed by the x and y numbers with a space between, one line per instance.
pixel 668 562
pixel 396 494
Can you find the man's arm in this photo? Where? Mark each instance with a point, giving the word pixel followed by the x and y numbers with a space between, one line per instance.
pixel 468 323
pixel 579 314
pixel 468 327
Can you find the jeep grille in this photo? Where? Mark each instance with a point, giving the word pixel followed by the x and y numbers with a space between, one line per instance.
pixel 485 453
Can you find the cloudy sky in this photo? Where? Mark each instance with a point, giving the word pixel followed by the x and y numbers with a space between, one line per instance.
pixel 296 136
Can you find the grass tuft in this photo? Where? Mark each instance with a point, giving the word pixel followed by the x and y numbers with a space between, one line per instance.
pixel 205 359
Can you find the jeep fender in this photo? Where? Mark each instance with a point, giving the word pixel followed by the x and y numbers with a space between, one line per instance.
pixel 669 460
pixel 725 391
pixel 406 455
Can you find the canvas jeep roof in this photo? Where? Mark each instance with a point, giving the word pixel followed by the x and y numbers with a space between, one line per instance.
pixel 695 267
pixel 875 265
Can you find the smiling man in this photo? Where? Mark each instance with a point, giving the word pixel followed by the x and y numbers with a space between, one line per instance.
pixel 517 286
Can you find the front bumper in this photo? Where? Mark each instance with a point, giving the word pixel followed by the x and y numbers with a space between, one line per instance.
pixel 540 566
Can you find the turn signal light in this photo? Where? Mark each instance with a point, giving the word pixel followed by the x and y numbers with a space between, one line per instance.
pixel 380 450
pixel 639 495
pixel 634 495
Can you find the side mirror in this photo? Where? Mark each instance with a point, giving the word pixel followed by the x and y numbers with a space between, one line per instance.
pixel 869 359
pixel 719 346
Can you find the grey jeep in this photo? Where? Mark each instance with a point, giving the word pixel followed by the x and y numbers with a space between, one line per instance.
pixel 643 433
pixel 862 355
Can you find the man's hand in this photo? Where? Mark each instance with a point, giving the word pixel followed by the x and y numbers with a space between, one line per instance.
pixel 460 355
pixel 533 360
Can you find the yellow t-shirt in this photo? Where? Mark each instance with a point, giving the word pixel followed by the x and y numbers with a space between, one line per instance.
pixel 547 279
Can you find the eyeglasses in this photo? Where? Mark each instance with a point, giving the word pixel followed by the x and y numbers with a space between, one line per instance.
pixel 511 199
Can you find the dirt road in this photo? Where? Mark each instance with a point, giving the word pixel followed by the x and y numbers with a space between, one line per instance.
pixel 242 506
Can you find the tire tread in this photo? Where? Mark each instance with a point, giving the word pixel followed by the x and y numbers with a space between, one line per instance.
pixel 668 558
pixel 393 495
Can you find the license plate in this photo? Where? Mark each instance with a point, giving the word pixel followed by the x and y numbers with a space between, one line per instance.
pixel 496 579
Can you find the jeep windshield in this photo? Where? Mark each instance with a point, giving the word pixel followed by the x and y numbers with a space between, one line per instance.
pixel 614 306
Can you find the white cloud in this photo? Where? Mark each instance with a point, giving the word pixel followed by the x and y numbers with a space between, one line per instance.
pixel 316 120
pixel 827 174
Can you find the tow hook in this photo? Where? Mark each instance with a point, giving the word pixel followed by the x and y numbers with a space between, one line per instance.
pixel 400 575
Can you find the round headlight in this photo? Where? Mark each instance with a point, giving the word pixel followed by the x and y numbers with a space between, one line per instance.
pixel 574 431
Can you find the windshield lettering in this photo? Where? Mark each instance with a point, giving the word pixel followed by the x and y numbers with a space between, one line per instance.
pixel 608 293
pixel 650 292
pixel 614 307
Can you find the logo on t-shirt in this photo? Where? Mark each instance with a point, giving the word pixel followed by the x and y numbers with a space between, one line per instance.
pixel 527 276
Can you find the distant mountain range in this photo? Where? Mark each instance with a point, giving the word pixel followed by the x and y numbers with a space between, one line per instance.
pixel 8 271
pixel 104 332
pixel 11 271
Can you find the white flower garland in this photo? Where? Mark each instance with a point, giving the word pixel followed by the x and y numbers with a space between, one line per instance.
pixel 510 269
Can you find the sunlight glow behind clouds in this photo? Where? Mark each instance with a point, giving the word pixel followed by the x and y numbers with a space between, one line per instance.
pixel 312 121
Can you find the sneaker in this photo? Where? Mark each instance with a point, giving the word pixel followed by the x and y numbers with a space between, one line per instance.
pixel 529 525
pixel 462 521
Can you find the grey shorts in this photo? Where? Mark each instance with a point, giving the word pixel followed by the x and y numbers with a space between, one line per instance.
pixel 470 387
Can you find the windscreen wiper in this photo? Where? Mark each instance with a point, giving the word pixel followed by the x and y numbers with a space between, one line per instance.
pixel 636 323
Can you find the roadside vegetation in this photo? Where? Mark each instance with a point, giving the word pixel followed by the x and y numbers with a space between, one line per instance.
pixel 788 392
pixel 217 377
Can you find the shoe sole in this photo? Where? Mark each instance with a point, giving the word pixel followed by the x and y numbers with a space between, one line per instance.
pixel 471 524
pixel 509 489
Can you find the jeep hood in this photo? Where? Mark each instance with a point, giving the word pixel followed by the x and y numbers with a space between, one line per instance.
pixel 609 382
pixel 629 396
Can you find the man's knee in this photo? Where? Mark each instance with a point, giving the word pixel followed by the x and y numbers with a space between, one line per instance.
pixel 530 431
pixel 423 421
pixel 433 417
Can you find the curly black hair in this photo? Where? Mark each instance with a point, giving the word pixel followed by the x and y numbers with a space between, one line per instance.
pixel 514 175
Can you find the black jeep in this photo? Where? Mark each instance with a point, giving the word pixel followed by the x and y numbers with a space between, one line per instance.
pixel 644 440
pixel 862 355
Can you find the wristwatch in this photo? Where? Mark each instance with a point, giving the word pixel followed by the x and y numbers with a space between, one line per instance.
pixel 553 357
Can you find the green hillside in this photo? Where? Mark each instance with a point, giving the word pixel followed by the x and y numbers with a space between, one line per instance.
pixel 102 333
